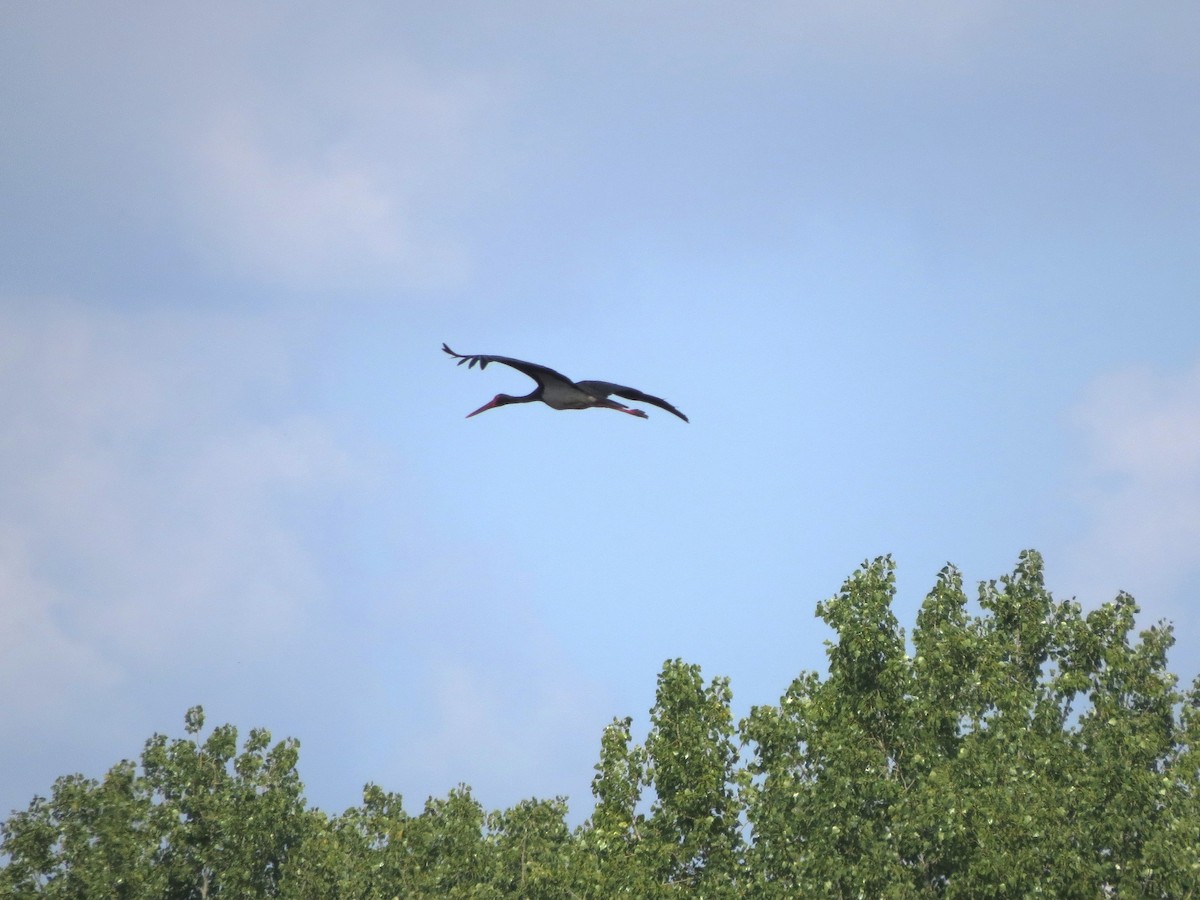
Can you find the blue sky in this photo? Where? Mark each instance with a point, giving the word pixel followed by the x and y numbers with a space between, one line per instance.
pixel 925 279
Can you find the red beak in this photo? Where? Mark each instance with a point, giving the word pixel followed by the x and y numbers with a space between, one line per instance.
pixel 484 408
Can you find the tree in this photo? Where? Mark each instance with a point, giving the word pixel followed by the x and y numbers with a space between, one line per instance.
pixel 1030 749
pixel 691 842
pixel 1025 748
pixel 199 821
pixel 694 827
pixel 534 853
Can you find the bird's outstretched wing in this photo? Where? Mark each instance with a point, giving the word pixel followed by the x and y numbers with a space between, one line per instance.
pixel 604 388
pixel 540 374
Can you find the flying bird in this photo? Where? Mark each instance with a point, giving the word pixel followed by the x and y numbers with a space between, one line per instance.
pixel 559 392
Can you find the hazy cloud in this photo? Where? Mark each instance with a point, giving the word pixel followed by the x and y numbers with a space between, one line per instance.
pixel 236 469
pixel 1140 483
pixel 354 183
pixel 149 514
pixel 43 662
pixel 343 163
pixel 184 527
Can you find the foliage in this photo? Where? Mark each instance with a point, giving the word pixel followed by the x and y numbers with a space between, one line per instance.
pixel 200 821
pixel 1026 749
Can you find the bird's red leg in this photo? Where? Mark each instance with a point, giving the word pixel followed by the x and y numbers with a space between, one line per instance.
pixel 608 404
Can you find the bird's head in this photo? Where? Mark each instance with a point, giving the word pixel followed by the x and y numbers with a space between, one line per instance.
pixel 498 400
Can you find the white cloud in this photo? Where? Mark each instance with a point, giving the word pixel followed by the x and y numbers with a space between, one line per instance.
pixel 1140 486
pixel 316 217
pixel 291 147
pixel 351 170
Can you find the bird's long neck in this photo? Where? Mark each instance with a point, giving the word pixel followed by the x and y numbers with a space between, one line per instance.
pixel 532 397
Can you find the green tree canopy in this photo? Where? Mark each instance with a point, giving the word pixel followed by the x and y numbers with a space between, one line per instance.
pixel 1026 748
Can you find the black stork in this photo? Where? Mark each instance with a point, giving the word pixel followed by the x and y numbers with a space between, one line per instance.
pixel 559 392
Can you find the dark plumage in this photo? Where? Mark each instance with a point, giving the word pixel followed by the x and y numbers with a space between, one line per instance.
pixel 559 392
